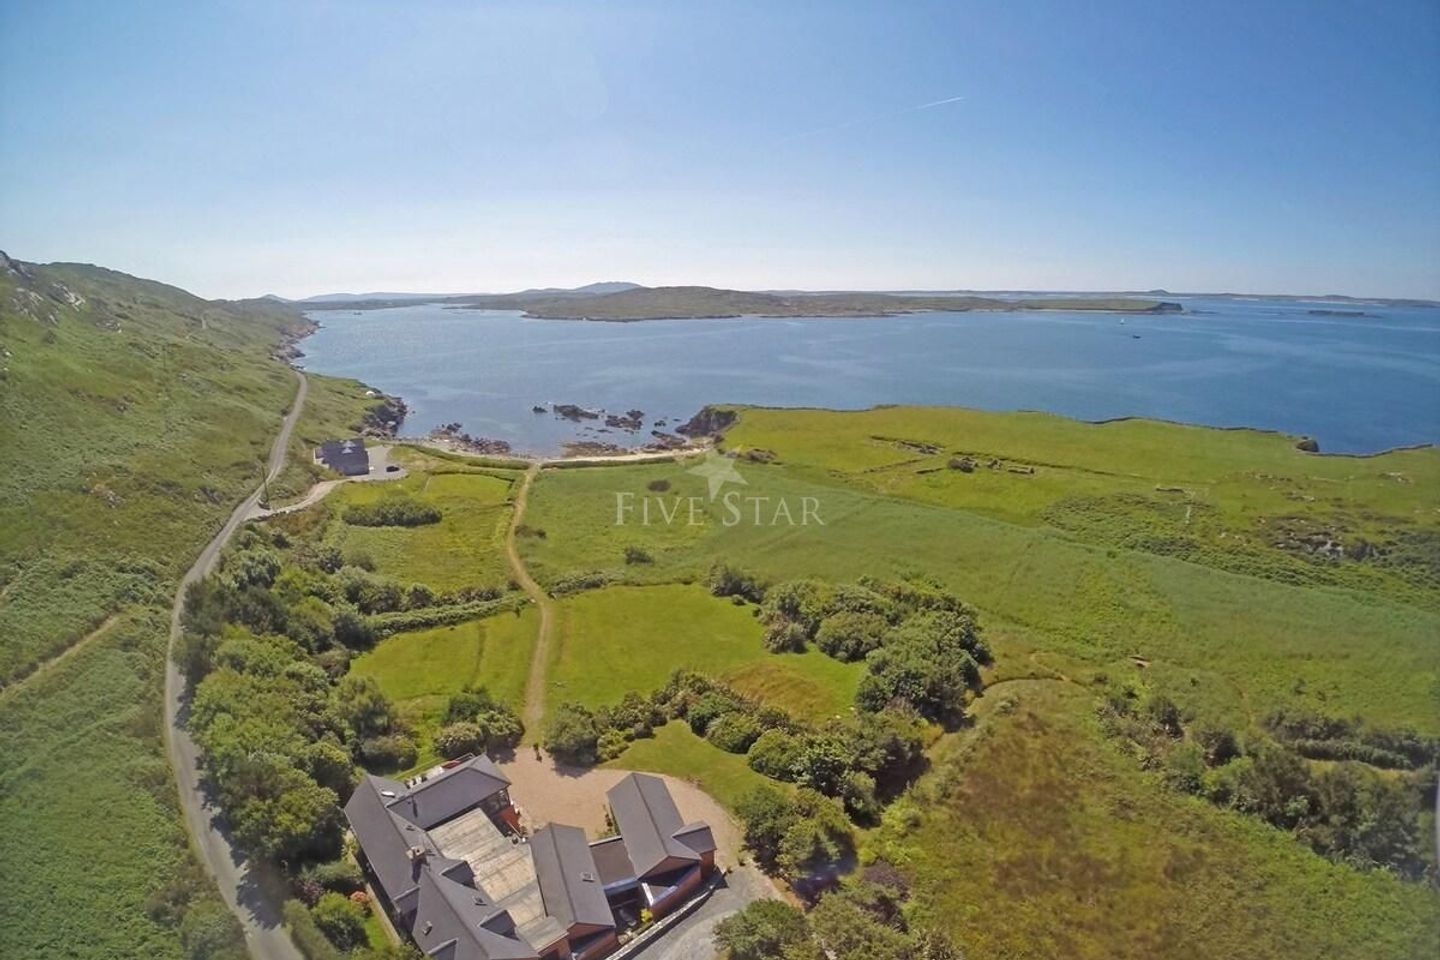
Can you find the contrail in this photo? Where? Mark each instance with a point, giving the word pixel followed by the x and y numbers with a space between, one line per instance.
pixel 870 118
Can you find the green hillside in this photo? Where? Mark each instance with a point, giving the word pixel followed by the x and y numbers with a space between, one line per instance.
pixel 133 417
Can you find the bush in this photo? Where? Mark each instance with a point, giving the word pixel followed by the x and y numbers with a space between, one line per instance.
pixel 572 734
pixel 775 754
pixel 848 636
pixel 610 745
pixel 458 739
pixel 401 511
pixel 707 708
pixel 733 732
pixel 635 555
pixel 209 931
pixel 388 752
pixel 307 934
pixel 726 581
pixel 341 920
pixel 341 876
pixel 785 636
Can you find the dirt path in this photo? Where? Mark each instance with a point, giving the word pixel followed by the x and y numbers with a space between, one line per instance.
pixel 534 711
pixel 237 879
pixel 61 657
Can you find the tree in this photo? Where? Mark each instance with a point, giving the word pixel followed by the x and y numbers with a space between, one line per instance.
pixel 849 926
pixel 762 930
pixel 766 814
pixel 296 819
pixel 572 734
pixel 364 706
pixel 341 920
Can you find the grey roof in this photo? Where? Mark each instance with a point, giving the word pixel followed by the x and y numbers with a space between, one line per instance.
pixel 448 794
pixel 697 836
pixel 388 840
pixel 650 822
pixel 457 922
pixel 569 879
pixel 613 860
pixel 347 456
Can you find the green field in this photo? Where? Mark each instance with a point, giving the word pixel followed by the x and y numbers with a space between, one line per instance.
pixel 623 638
pixel 421 668
pixel 1131 554
pixel 674 750
pixel 466 548
pixel 1250 643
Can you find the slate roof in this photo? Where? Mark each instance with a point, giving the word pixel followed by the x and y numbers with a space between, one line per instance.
pixel 650 822
pixel 569 879
pixel 612 860
pixel 345 456
pixel 447 794
pixel 456 922
pixel 388 840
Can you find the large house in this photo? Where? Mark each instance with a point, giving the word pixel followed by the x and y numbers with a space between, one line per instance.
pixel 346 457
pixel 454 870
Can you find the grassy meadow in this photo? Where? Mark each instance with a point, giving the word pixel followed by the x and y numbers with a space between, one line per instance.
pixel 624 638
pixel 1131 554
pixel 465 548
pixel 420 669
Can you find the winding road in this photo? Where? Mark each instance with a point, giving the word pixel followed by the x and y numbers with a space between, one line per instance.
pixel 237 879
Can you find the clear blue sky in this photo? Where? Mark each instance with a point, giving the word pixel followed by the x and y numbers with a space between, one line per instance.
pixel 299 148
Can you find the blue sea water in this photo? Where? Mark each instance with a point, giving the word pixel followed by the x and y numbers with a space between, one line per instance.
pixel 1355 383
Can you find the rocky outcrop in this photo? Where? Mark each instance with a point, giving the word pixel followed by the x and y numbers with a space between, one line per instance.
pixel 709 422
pixel 1308 444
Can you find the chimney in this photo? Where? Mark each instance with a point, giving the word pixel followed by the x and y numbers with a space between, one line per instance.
pixel 417 854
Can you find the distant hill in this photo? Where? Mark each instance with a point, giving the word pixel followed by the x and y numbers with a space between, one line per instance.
pixel 649 303
pixel 601 301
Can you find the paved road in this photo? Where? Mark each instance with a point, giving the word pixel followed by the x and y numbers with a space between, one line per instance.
pixel 694 937
pixel 209 833
pixel 534 708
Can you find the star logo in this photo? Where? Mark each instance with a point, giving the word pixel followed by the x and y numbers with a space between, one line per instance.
pixel 717 470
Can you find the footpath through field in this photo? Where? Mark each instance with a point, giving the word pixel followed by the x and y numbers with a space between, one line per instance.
pixel 237 878
pixel 534 711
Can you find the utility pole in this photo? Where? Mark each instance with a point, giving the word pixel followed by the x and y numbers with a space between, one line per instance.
pixel 265 484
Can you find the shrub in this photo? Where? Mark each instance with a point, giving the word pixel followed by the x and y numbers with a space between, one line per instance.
pixel 785 636
pixel 341 920
pixel 733 732
pixel 610 745
pixel 848 635
pixel 774 754
pixel 388 752
pixel 458 739
pixel 572 734
pixel 341 876
pixel 726 581
pixel 707 708
pixel 209 931
pixel 401 511
pixel 634 554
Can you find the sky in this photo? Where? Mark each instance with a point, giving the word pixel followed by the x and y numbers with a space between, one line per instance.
pixel 299 148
